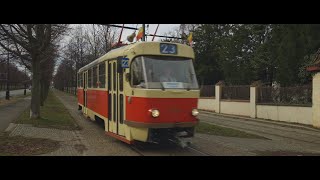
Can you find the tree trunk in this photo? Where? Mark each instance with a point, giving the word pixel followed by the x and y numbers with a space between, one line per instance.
pixel 35 96
pixel 46 91
pixel 42 98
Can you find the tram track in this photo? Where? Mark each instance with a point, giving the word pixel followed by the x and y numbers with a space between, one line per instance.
pixel 135 149
pixel 198 151
pixel 166 150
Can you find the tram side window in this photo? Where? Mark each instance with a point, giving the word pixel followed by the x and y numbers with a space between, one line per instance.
pixel 81 79
pixel 95 77
pixel 137 73
pixel 78 80
pixel 89 78
pixel 102 75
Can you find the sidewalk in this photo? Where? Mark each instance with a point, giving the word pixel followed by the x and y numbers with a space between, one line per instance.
pixel 10 112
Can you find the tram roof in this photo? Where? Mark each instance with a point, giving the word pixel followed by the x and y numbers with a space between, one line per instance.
pixel 141 48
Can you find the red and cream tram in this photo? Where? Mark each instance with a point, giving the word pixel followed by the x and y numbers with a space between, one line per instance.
pixel 146 91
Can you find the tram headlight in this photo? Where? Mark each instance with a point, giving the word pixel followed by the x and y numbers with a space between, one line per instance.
pixel 154 113
pixel 195 112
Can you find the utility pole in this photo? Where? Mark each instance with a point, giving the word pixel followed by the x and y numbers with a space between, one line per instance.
pixel 144 32
pixel 8 76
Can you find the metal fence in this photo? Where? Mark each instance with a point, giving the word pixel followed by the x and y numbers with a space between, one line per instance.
pixel 300 95
pixel 208 91
pixel 235 92
pixel 71 90
pixel 12 86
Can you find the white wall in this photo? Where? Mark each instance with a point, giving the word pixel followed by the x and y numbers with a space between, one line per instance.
pixel 316 99
pixel 302 115
pixel 296 114
pixel 235 108
pixel 207 104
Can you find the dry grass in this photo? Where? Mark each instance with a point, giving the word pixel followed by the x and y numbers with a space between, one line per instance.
pixel 22 146
pixel 53 115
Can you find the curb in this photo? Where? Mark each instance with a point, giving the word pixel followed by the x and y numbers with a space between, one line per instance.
pixel 11 127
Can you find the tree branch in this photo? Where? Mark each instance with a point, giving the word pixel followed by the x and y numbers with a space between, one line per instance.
pixel 21 43
pixel 22 29
pixel 25 36
pixel 15 53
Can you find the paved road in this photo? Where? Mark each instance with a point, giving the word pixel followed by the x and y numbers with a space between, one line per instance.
pixel 12 111
pixel 13 93
pixel 282 136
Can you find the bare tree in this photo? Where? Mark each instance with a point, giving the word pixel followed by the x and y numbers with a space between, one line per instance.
pixel 86 43
pixel 31 43
pixel 107 37
pixel 62 78
pixel 182 32
pixel 47 68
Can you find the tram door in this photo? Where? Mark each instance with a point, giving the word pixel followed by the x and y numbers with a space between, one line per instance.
pixel 85 75
pixel 115 99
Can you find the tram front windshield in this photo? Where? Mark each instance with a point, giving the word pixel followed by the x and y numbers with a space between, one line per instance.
pixel 162 72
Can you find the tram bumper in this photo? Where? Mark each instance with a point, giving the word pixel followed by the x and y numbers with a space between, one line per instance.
pixel 166 134
pixel 163 132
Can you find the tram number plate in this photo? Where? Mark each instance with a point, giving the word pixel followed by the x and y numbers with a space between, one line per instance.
pixel 125 62
pixel 168 48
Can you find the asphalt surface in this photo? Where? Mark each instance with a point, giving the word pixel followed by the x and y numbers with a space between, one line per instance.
pixel 10 112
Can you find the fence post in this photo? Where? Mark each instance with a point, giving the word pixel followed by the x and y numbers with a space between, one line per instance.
pixel 218 94
pixel 316 100
pixel 253 98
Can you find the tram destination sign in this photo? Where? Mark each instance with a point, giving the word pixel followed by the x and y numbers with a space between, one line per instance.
pixel 168 48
